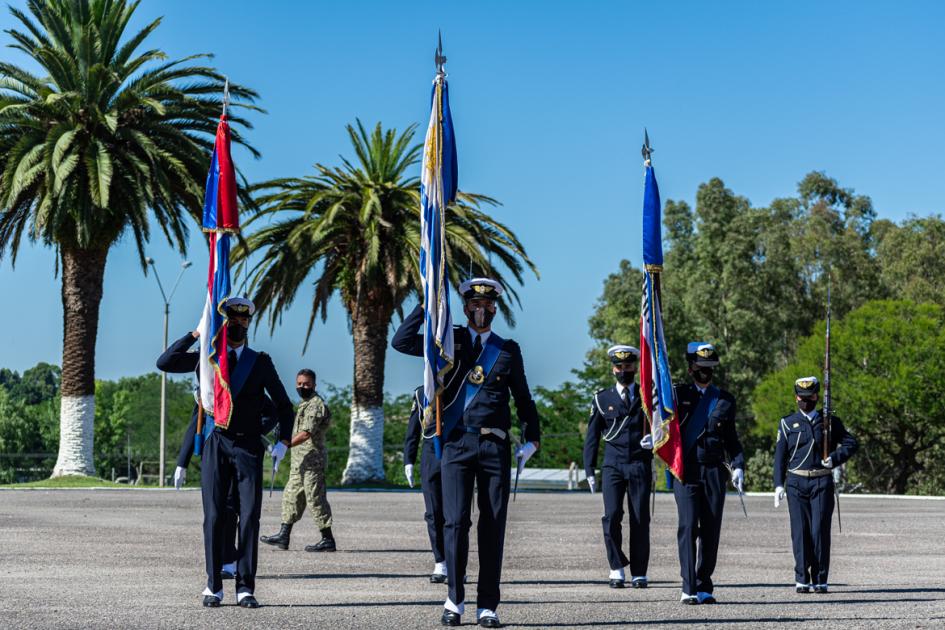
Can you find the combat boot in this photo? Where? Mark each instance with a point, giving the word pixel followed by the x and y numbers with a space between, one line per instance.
pixel 327 543
pixel 280 540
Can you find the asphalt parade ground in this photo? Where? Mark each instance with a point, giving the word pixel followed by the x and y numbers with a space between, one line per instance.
pixel 134 559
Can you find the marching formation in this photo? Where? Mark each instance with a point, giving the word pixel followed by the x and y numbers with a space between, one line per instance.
pixel 462 416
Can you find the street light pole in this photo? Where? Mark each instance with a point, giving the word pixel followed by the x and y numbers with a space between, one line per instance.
pixel 167 311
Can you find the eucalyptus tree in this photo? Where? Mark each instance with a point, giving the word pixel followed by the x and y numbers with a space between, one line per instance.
pixel 106 139
pixel 354 230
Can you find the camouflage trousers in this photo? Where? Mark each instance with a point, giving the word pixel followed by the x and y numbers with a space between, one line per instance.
pixel 306 485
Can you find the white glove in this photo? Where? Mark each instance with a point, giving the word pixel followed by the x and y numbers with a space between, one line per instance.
pixel 525 452
pixel 827 463
pixel 647 442
pixel 738 479
pixel 778 496
pixel 592 484
pixel 180 477
pixel 408 473
pixel 278 452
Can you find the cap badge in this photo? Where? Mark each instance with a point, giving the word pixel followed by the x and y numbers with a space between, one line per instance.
pixel 705 353
pixel 622 354
pixel 806 383
pixel 481 288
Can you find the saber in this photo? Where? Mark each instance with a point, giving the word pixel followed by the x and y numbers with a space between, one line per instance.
pixel 518 471
pixel 272 480
pixel 741 498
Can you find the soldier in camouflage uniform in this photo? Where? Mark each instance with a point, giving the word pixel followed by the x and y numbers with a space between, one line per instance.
pixel 307 469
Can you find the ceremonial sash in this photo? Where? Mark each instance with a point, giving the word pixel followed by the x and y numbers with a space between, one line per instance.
pixel 485 362
pixel 696 422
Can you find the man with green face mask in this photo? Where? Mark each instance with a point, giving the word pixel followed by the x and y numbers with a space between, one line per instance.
pixel 306 483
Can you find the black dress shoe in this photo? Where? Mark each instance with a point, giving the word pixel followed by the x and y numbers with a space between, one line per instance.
pixel 438 578
pixel 691 600
pixel 489 622
pixel 820 588
pixel 325 544
pixel 802 589
pixel 249 602
pixel 450 618
pixel 639 583
pixel 708 600
pixel 211 601
pixel 617 584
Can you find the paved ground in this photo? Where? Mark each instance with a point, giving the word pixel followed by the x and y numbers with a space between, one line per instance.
pixel 133 559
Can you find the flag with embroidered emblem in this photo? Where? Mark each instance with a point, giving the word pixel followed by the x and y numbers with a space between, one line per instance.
pixel 656 385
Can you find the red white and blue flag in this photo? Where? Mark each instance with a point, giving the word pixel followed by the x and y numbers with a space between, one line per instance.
pixel 220 221
pixel 656 384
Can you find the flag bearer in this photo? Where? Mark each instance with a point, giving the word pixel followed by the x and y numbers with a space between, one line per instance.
pixel 707 425
pixel 476 445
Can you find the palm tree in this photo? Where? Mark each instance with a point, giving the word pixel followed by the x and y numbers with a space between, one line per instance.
pixel 107 141
pixel 355 229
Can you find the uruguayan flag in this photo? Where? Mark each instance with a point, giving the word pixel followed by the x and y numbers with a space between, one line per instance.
pixel 437 191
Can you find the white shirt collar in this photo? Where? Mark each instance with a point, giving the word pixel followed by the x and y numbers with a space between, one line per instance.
pixel 810 416
pixel 482 335
pixel 238 350
pixel 622 389
pixel 701 389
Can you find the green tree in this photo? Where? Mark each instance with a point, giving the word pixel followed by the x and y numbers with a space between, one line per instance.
pixel 354 230
pixel 107 141
pixel 912 266
pixel 887 367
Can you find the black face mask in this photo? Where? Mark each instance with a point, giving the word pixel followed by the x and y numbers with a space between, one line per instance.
pixel 235 332
pixel 625 377
pixel 305 392
pixel 481 317
pixel 702 374
pixel 806 406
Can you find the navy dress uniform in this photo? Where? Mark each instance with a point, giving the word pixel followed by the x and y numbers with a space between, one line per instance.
pixel 230 552
pixel 707 427
pixel 627 472
pixel 234 455
pixel 488 371
pixel 430 482
pixel 800 468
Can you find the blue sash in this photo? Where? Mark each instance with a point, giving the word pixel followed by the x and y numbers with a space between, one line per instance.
pixel 244 365
pixel 486 360
pixel 699 418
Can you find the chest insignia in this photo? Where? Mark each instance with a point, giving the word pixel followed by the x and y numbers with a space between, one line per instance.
pixel 795 425
pixel 610 408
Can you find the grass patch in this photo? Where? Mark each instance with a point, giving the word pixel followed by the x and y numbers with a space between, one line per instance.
pixel 71 481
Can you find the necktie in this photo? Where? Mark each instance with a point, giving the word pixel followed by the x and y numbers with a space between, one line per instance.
pixel 477 347
pixel 231 357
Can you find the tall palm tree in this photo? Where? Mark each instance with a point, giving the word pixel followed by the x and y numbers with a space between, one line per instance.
pixel 355 230
pixel 107 141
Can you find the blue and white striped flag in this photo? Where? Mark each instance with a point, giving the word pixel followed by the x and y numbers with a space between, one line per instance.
pixel 437 191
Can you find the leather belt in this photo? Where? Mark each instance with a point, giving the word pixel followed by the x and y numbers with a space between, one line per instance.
pixel 499 433
pixel 819 472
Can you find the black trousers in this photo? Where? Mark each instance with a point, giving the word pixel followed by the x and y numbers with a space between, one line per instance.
pixel 631 481
pixel 810 503
pixel 230 525
pixel 228 461
pixel 699 504
pixel 485 460
pixel 431 482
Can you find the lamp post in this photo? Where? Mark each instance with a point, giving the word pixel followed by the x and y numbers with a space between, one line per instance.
pixel 167 310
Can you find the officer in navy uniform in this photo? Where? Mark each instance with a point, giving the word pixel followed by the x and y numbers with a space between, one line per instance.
pixel 168 364
pixel 799 466
pixel 430 482
pixel 476 445
pixel 236 452
pixel 707 427
pixel 617 415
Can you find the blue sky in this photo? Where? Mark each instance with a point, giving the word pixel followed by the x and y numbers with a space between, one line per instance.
pixel 549 102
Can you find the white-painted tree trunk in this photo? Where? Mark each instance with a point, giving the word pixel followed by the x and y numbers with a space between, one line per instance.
pixel 366 446
pixel 76 436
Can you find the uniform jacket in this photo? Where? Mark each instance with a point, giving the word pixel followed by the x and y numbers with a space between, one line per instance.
pixel 800 444
pixel 313 417
pixel 246 420
pixel 622 428
pixel 415 430
pixel 506 380
pixel 719 438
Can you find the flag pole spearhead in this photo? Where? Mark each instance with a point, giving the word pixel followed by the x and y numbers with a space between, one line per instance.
pixel 647 149
pixel 438 58
pixel 226 94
